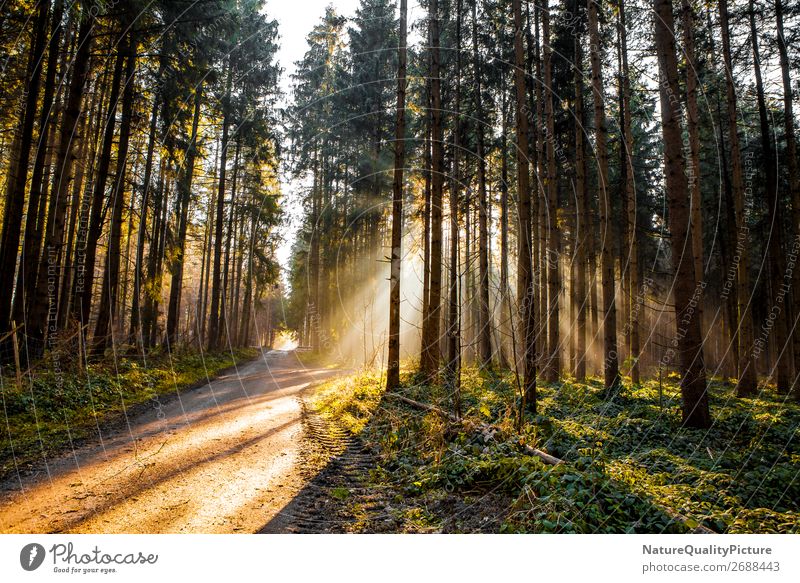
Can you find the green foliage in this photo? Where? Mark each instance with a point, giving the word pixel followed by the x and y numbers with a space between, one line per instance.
pixel 630 466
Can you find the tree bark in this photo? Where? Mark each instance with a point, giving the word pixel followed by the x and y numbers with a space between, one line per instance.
pixel 244 330
pixel 429 363
pixel 87 130
pixel 688 341
pixel 453 316
pixel 208 254
pixel 728 215
pixel 427 162
pixel 107 312
pixel 141 235
pixel 182 208
pixel 506 316
pixel 314 262
pixel 18 168
pixel 693 126
pixel 582 225
pixel 29 267
pixel 747 379
pixel 41 303
pixel 636 299
pixel 611 357
pixel 538 162
pixel 214 319
pixel 393 356
pixel 485 325
pixel 775 251
pixel 87 258
pixel 553 253
pixel 225 304
pixel 524 266
pixel 794 186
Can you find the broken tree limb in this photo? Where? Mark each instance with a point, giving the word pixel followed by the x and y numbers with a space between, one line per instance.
pixel 544 456
pixel 423 406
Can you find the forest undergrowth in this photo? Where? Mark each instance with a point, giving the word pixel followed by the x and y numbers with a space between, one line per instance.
pixel 629 465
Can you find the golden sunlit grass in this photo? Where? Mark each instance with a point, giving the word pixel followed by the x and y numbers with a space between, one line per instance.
pixel 350 400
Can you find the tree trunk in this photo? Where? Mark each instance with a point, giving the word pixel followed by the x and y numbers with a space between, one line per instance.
pixel 216 277
pixel 238 282
pixel 524 265
pixel 553 253
pixel 453 316
pixel 582 225
pixel 155 258
pixel 205 269
pixel 135 331
pixel 538 162
pixel 429 363
pixel 18 167
pixel 42 303
pixel 775 251
pixel 636 299
pixel 506 316
pixel 693 125
pixel 151 281
pixel 214 319
pixel 314 262
pixel 87 130
pixel 225 305
pixel 29 267
pixel 485 325
pixel 611 358
pixel 87 258
pixel 107 313
pixel 244 330
pixel 689 340
pixel 182 212
pixel 794 185
pixel 728 216
pixel 747 379
pixel 472 318
pixel 393 356
pixel 427 163
pixel 592 227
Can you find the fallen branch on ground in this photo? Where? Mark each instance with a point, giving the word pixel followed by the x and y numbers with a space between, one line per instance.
pixel 544 456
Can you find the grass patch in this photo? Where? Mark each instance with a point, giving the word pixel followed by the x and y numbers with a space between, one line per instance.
pixel 628 458
pixel 52 413
pixel 350 401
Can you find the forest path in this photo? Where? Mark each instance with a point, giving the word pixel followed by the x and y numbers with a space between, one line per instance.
pixel 222 458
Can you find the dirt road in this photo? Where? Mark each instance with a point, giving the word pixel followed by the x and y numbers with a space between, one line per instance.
pixel 222 458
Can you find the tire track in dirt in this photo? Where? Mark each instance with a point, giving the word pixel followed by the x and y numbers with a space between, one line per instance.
pixel 335 498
